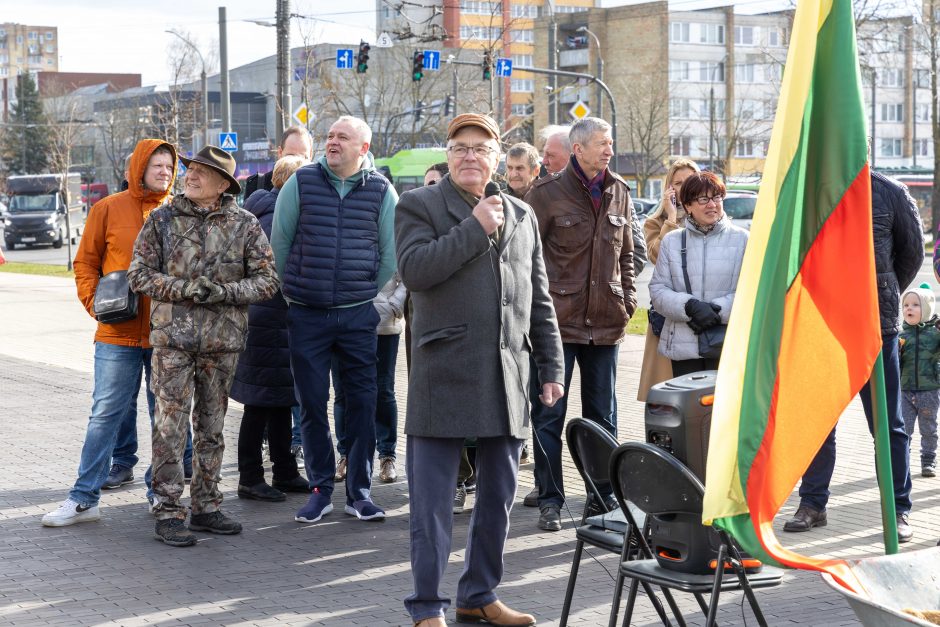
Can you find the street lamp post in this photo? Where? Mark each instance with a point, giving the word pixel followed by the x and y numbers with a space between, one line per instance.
pixel 205 90
pixel 600 69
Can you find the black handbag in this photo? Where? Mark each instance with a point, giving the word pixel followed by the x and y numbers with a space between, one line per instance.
pixel 712 339
pixel 114 300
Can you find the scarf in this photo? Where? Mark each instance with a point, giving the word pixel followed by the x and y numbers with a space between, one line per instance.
pixel 595 186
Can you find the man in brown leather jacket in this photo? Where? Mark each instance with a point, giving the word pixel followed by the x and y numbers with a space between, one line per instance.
pixel 584 222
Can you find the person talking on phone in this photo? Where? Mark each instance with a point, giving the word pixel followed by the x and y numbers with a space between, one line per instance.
pixel 668 216
pixel 471 259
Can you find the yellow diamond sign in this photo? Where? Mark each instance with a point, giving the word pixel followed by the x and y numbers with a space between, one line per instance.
pixel 579 111
pixel 301 114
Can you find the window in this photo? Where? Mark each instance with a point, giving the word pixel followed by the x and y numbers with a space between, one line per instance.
pixel 701 109
pixel 33 35
pixel 745 148
pixel 34 60
pixel 921 113
pixel 524 35
pixel 890 147
pixel 890 77
pixel 744 73
pixel 751 109
pixel 744 35
pixel 712 33
pixel 679 71
pixel 522 85
pixel 19 39
pixel 775 37
pixel 3 71
pixel 923 147
pixel 4 58
pixel 522 109
pixel 711 72
pixel 570 9
pixel 922 78
pixel 679 32
pixel 680 145
pixel 678 108
pixel 50 36
pixel 50 49
pixel 522 59
pixel 772 72
pixel 892 112
pixel 525 10
pixel 479 32
pixel 480 7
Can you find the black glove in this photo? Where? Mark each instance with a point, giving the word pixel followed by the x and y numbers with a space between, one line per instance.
pixel 703 315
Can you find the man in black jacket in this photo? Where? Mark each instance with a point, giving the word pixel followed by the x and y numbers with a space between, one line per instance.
pixel 297 141
pixel 899 253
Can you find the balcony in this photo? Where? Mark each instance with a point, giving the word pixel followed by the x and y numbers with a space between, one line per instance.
pixel 572 58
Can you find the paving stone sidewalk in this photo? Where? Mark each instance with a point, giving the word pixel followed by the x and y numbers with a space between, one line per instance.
pixel 338 572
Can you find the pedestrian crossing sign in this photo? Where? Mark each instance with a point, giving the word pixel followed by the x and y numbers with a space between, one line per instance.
pixel 228 141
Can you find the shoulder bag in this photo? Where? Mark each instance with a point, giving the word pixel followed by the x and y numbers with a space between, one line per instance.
pixel 114 300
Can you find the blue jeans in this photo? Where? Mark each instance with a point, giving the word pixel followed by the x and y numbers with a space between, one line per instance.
pixel 125 449
pixel 598 366
pixel 114 403
pixel 316 335
pixel 814 489
pixel 386 407
pixel 921 407
pixel 295 430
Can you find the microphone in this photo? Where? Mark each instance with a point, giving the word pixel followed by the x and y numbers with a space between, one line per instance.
pixel 492 189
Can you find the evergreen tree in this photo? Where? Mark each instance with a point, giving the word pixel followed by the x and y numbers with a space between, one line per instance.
pixel 24 145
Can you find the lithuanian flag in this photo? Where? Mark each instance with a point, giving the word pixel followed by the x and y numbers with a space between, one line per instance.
pixel 804 331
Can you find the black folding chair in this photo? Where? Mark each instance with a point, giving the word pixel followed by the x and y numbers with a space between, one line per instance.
pixel 590 446
pixel 683 554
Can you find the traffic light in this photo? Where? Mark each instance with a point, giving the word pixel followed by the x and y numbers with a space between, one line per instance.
pixel 362 59
pixel 419 110
pixel 417 66
pixel 487 66
pixel 449 105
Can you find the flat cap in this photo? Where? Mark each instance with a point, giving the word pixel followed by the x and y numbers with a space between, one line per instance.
pixel 484 122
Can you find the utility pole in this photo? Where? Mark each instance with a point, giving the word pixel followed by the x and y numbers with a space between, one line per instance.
pixel 225 94
pixel 282 24
pixel 874 110
pixel 552 65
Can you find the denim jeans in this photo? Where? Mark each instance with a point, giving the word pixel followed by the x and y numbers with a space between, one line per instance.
pixel 295 430
pixel 125 449
pixel 814 489
pixel 114 402
pixel 316 335
pixel 598 366
pixel 386 407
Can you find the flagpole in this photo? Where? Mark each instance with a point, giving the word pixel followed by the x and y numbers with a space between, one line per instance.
pixel 879 409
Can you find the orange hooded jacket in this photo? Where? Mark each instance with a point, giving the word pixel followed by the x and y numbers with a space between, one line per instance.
pixel 108 240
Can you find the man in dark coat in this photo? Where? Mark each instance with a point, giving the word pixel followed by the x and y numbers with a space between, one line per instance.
pixel 473 265
pixel 899 253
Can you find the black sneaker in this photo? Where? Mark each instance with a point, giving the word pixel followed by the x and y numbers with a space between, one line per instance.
pixel 172 531
pixel 532 498
pixel 261 492
pixel 214 522
pixel 119 475
pixel 471 484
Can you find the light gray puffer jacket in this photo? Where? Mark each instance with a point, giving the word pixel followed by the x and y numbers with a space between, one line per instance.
pixel 390 303
pixel 714 265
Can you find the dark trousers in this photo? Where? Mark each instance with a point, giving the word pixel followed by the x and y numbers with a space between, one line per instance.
pixel 814 489
pixel 432 468
pixel 598 366
pixel 316 335
pixel 688 366
pixel 386 407
pixel 250 434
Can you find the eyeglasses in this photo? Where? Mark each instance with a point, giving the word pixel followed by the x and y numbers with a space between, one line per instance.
pixel 704 200
pixel 460 151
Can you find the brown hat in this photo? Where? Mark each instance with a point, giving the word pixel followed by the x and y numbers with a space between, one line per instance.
pixel 220 161
pixel 484 122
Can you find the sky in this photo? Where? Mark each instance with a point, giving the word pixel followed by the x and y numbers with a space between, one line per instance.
pixel 129 35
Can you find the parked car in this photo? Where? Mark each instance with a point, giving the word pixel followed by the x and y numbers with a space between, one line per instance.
pixel 39 205
pixel 644 206
pixel 740 207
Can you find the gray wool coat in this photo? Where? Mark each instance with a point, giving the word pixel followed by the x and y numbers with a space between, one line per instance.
pixel 478 312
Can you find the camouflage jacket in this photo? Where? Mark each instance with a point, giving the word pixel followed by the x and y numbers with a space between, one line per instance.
pixel 181 242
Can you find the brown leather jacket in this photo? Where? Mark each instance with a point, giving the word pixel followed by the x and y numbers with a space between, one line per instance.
pixel 588 256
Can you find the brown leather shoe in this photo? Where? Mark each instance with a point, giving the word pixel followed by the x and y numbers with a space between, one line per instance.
pixel 434 621
pixel 497 614
pixel 805 519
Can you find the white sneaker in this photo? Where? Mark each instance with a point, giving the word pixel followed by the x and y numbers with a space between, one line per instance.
pixel 69 513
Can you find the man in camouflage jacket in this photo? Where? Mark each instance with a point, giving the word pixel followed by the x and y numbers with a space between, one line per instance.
pixel 202 260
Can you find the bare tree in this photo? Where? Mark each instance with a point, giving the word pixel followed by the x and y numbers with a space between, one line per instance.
pixel 927 39
pixel 646 122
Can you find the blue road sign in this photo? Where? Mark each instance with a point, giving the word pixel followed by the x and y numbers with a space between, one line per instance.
pixel 432 59
pixel 228 141
pixel 503 67
pixel 344 59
